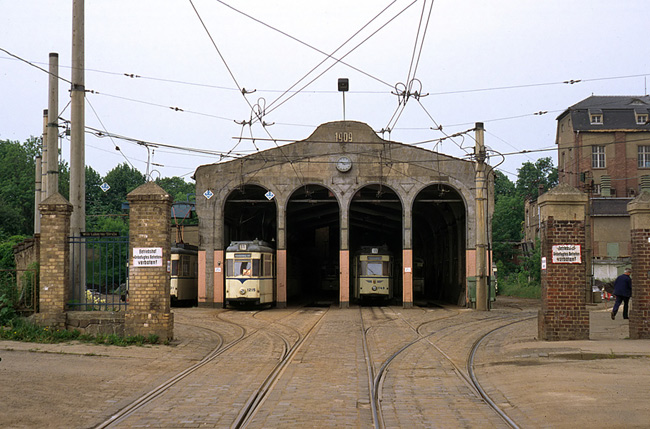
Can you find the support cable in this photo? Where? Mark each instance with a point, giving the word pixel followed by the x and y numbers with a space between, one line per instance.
pixel 348 53
pixel 328 56
pixel 117 148
pixel 308 45
pixel 219 53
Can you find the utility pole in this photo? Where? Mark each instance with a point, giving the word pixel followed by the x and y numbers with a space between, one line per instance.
pixel 77 136
pixel 53 127
pixel 481 225
pixel 37 194
pixel 44 157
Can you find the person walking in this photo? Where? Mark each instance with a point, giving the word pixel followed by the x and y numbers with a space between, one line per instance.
pixel 623 292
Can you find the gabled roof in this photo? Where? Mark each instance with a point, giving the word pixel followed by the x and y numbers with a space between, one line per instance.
pixel 618 113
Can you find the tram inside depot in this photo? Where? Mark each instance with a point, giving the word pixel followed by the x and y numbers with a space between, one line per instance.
pixel 375 220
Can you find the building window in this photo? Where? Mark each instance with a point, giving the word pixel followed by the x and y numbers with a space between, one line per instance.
pixel 596 118
pixel 644 156
pixel 641 118
pixel 598 157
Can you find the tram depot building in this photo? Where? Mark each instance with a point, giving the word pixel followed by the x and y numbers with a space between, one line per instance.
pixel 319 200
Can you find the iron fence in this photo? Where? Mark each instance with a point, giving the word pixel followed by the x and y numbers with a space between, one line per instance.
pixel 98 273
pixel 19 289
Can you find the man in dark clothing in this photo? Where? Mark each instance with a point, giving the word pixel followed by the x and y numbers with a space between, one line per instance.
pixel 623 292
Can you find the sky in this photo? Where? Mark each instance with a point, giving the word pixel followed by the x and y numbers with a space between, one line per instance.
pixel 189 75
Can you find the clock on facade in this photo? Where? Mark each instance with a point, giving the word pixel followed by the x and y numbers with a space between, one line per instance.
pixel 344 164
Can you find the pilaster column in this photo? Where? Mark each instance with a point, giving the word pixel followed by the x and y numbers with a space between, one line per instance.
pixel 639 210
pixel 563 315
pixel 54 257
pixel 149 311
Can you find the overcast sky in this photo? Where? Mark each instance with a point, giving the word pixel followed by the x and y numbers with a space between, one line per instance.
pixel 497 62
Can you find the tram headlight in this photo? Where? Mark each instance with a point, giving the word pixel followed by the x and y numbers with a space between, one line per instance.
pixel 242 291
pixel 374 288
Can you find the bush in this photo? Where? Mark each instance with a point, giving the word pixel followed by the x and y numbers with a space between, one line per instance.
pixel 20 329
pixel 8 297
pixel 520 284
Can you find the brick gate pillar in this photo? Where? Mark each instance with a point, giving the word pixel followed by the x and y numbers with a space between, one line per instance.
pixel 639 210
pixel 54 254
pixel 149 311
pixel 563 315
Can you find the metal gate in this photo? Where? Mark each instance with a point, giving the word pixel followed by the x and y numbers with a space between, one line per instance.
pixel 98 272
pixel 20 290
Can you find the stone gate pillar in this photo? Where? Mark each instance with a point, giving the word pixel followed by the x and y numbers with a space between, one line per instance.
pixel 149 311
pixel 563 315
pixel 639 210
pixel 54 254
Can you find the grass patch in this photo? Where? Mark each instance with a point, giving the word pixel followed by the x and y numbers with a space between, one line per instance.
pixel 520 285
pixel 23 330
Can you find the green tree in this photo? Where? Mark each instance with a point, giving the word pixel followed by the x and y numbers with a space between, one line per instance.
pixel 177 188
pixel 17 177
pixel 122 180
pixel 95 202
pixel 533 176
pixel 506 229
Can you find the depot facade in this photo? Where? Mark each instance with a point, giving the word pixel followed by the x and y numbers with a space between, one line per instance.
pixel 318 200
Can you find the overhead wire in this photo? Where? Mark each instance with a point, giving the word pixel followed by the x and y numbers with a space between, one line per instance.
pixel 214 44
pixel 104 127
pixel 304 43
pixel 331 56
pixel 348 53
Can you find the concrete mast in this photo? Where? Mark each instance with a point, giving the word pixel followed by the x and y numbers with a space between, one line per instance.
pixel 77 126
pixel 481 224
pixel 44 157
pixel 53 127
pixel 37 194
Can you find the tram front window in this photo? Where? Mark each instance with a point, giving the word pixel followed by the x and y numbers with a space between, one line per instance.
pixel 372 268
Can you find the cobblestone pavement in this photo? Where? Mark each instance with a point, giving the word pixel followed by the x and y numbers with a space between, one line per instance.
pixel 537 383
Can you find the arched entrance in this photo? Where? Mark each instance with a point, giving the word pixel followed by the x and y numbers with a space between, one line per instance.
pixel 439 236
pixel 375 219
pixel 313 224
pixel 250 215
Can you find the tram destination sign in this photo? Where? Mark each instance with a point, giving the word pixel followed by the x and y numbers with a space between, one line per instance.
pixel 566 254
pixel 147 257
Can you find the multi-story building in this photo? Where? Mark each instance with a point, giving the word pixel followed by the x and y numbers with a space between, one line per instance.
pixel 604 149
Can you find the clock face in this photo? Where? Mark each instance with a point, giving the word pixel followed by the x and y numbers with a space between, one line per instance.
pixel 344 164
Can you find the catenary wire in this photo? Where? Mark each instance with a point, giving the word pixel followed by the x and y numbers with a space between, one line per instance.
pixel 330 56
pixel 304 43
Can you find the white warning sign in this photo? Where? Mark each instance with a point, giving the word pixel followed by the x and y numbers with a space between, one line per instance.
pixel 147 257
pixel 566 254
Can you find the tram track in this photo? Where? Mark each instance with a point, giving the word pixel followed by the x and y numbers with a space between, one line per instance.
pixel 258 397
pixel 290 343
pixel 466 375
pixel 155 393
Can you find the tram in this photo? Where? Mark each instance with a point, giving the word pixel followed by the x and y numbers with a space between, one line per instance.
pixel 184 274
pixel 373 273
pixel 250 273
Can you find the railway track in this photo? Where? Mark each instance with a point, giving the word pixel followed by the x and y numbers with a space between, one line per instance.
pixel 152 395
pixel 290 344
pixel 436 335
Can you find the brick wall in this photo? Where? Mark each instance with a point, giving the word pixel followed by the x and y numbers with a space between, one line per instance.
pixel 54 252
pixel 639 210
pixel 640 307
pixel 149 310
pixel 563 315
